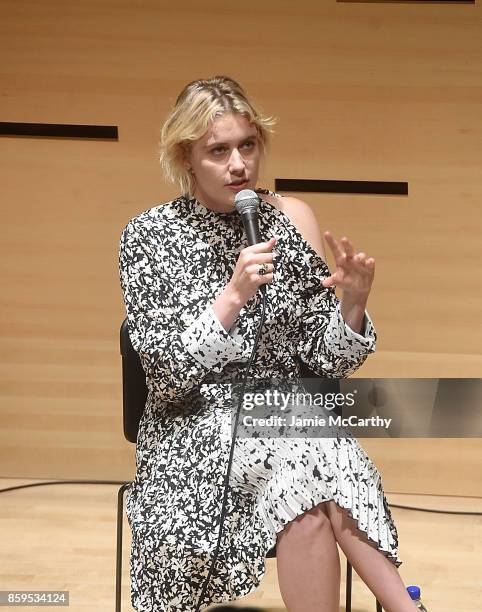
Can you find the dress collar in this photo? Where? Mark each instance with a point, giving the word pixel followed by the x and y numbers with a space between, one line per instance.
pixel 208 214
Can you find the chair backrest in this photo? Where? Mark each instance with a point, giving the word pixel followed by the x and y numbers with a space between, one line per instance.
pixel 134 388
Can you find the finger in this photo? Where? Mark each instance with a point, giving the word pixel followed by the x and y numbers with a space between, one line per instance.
pixel 254 269
pixel 360 258
pixel 265 278
pixel 359 270
pixel 262 247
pixel 337 251
pixel 366 264
pixel 260 258
pixel 329 281
pixel 347 245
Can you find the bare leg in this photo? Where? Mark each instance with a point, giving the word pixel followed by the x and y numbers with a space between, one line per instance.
pixel 377 572
pixel 308 563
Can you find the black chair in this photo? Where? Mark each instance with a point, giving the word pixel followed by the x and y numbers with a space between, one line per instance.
pixel 134 396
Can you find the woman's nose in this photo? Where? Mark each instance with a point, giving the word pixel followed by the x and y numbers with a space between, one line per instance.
pixel 236 161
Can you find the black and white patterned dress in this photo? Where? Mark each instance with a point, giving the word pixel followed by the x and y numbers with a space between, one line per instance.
pixel 175 259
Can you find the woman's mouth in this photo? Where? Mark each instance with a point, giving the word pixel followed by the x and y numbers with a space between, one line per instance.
pixel 237 186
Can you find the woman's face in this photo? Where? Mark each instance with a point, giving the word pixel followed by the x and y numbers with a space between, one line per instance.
pixel 224 161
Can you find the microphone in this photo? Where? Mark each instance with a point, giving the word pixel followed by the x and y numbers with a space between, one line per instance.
pixel 246 202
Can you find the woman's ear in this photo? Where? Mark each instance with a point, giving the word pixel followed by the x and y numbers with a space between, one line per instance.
pixel 186 156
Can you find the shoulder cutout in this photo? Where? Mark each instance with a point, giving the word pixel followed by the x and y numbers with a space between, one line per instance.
pixel 274 200
pixel 303 218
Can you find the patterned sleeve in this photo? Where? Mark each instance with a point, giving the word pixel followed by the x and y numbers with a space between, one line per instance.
pixel 328 345
pixel 174 360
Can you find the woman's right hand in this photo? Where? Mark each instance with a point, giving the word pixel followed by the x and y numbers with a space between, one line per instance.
pixel 246 280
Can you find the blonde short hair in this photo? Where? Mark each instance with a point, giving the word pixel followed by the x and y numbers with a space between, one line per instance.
pixel 199 103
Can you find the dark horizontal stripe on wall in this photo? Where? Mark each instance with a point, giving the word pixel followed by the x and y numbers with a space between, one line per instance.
pixel 318 186
pixel 59 130
pixel 410 1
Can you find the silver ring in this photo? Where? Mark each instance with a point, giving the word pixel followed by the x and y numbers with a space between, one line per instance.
pixel 263 269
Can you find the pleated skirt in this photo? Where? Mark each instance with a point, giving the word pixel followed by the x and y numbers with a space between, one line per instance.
pixel 289 476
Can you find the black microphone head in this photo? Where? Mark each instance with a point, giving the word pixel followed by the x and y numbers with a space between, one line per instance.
pixel 245 200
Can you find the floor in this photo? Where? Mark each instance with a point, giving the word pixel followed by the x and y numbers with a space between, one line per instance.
pixel 63 537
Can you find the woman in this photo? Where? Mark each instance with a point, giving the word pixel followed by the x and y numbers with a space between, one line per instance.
pixel 191 288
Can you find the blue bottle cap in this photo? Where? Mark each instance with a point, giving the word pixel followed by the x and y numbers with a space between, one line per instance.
pixel 414 592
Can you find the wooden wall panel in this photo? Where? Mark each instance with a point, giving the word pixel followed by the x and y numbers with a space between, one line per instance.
pixel 362 92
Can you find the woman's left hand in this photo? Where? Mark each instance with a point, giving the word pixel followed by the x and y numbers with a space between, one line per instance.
pixel 354 271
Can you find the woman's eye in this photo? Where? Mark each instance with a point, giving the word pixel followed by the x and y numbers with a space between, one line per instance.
pixel 218 150
pixel 249 145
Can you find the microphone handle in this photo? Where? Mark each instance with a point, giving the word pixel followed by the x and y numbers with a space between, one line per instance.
pixel 251 227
